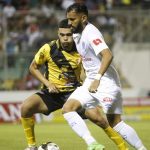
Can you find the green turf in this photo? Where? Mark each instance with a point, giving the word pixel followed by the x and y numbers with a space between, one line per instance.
pixel 12 136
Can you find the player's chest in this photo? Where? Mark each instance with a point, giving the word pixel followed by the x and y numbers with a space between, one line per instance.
pixel 82 46
pixel 64 60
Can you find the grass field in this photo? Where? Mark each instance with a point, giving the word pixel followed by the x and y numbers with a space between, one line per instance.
pixel 12 136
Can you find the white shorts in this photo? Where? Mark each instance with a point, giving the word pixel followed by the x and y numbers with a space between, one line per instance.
pixel 109 99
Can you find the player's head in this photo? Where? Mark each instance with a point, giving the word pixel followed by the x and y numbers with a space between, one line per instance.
pixel 77 15
pixel 65 34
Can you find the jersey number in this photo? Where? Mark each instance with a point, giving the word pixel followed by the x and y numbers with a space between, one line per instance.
pixel 97 41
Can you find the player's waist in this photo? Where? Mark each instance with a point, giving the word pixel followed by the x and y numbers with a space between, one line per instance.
pixel 65 89
pixel 68 88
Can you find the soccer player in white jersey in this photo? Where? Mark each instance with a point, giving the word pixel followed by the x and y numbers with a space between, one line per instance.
pixel 101 86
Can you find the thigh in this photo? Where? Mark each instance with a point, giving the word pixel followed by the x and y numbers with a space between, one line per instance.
pixel 53 101
pixel 97 117
pixel 94 114
pixel 33 104
pixel 82 95
pixel 110 102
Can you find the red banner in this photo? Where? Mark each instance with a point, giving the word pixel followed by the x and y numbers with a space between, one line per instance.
pixel 9 112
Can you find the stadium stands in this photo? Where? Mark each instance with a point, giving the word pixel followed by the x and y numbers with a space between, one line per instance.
pixel 32 23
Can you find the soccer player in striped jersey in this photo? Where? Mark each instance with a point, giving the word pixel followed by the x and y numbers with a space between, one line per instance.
pixel 62 76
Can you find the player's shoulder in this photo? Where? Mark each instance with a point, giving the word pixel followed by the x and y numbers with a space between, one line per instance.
pixel 91 30
pixel 47 46
pixel 53 42
pixel 90 26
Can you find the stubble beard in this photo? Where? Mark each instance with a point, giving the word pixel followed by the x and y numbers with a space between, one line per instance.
pixel 78 29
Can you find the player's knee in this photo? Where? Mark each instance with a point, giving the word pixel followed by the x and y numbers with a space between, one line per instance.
pixel 71 105
pixel 25 110
pixel 98 119
pixel 67 108
pixel 102 122
pixel 113 119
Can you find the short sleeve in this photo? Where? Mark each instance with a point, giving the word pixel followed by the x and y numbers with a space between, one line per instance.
pixel 96 40
pixel 41 56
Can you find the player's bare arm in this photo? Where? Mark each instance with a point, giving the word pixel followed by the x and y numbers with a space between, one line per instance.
pixel 107 57
pixel 35 71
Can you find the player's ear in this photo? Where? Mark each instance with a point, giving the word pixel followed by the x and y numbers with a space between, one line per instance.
pixel 84 19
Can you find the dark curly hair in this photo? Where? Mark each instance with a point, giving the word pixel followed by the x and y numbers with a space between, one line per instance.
pixel 78 8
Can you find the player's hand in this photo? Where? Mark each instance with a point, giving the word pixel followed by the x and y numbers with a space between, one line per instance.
pixel 79 61
pixel 94 85
pixel 52 88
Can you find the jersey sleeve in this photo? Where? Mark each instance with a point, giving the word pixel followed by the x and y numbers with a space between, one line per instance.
pixel 96 40
pixel 41 56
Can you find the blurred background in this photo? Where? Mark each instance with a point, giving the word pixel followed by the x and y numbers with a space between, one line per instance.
pixel 25 25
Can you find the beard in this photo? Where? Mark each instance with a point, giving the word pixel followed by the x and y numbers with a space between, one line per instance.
pixel 67 46
pixel 77 29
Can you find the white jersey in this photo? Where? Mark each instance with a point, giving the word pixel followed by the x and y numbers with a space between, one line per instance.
pixel 89 44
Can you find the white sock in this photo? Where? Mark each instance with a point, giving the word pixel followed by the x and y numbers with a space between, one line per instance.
pixel 79 126
pixel 129 134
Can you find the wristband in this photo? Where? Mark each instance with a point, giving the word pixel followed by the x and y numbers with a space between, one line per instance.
pixel 98 76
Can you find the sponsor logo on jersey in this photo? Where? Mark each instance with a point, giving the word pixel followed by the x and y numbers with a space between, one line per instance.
pixel 107 99
pixel 97 41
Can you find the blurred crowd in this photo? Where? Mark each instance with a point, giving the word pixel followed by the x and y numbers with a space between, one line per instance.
pixel 25 25
pixel 24 5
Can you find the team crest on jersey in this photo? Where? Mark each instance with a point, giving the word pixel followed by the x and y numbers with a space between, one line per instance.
pixel 41 55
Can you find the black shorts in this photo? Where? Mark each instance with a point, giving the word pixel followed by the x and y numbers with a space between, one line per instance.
pixel 55 101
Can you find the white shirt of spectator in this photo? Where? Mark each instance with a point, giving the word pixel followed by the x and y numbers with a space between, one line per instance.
pixel 9 11
pixel 89 44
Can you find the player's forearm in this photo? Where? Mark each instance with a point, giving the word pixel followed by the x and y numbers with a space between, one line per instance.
pixel 107 58
pixel 34 70
pixel 38 75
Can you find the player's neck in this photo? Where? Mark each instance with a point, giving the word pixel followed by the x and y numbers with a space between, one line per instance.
pixel 84 25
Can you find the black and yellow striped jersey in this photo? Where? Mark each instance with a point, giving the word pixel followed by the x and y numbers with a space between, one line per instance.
pixel 62 67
